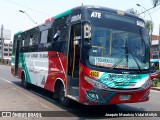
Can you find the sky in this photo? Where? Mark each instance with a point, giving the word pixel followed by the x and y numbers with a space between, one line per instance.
pixel 40 10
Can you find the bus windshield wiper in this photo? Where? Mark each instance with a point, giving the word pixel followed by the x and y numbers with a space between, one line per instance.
pixel 115 65
pixel 127 52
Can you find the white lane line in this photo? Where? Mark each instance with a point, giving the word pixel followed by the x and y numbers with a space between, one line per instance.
pixel 5 80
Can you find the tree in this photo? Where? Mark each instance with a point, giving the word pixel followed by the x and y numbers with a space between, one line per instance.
pixel 149 26
pixel 155 2
pixel 132 11
pixel 148 23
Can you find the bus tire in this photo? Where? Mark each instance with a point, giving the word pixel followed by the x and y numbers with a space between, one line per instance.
pixel 61 96
pixel 24 82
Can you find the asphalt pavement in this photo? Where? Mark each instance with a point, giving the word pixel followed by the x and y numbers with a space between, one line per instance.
pixel 15 98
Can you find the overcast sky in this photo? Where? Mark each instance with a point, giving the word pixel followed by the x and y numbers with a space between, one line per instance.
pixel 39 10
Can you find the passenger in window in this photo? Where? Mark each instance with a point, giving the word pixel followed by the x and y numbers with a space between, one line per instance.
pixel 57 35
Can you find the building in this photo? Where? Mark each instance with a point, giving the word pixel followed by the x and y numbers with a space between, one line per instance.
pixel 155 47
pixel 5 44
pixel 155 51
pixel 7 50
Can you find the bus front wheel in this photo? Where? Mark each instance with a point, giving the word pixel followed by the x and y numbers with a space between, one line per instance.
pixel 62 99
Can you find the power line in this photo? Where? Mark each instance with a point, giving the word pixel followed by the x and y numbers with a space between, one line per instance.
pixel 148 9
pixel 27 7
pixel 153 11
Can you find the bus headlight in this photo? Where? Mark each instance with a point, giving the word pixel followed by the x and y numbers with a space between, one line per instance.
pixel 94 83
pixel 146 84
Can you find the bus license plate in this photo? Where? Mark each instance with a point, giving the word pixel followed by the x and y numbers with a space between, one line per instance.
pixel 124 97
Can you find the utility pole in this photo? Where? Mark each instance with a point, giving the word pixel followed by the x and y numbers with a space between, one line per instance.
pixel 2 43
pixel 159 31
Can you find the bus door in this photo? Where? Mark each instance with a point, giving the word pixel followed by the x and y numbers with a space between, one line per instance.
pixel 75 44
pixel 17 51
pixel 74 58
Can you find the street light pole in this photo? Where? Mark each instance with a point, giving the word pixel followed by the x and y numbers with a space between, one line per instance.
pixel 28 16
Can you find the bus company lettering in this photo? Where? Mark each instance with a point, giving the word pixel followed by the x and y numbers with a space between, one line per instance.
pixel 124 76
pixel 34 55
pixel 96 14
pixel 43 55
pixel 76 18
pixel 27 55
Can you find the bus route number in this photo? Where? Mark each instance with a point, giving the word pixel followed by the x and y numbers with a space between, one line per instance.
pixel 94 74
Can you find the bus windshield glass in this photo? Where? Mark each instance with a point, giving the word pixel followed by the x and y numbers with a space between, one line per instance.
pixel 119 42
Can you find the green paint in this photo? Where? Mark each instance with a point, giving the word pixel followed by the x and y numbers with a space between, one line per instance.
pixel 18 33
pixel 22 61
pixel 63 14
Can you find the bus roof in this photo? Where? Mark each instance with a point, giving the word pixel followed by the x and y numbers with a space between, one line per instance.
pixel 85 7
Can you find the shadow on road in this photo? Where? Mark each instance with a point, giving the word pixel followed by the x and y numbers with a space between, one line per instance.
pixel 79 110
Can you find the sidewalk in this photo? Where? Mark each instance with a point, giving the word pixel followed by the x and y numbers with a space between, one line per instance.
pixel 155 88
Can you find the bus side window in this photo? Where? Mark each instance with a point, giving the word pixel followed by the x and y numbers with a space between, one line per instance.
pixel 26 42
pixel 44 36
pixel 49 38
pixel 35 39
pixel 31 40
pixel 57 33
pixel 23 40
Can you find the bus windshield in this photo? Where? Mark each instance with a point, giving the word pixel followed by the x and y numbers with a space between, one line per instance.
pixel 119 43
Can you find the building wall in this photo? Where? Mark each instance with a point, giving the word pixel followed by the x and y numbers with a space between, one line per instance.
pixel 7 50
pixel 155 47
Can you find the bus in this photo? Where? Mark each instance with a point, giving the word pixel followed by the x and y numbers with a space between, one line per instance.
pixel 89 54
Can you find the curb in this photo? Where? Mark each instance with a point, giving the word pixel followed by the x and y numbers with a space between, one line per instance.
pixel 155 89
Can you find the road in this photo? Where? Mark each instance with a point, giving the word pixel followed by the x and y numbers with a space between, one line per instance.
pixel 15 98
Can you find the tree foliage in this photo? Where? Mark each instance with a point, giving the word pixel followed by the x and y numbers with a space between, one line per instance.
pixel 149 26
pixel 148 23
pixel 155 2
pixel 132 11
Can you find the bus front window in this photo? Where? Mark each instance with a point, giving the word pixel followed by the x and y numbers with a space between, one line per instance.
pixel 119 49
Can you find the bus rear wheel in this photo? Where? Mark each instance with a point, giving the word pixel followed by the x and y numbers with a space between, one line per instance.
pixel 61 96
pixel 24 82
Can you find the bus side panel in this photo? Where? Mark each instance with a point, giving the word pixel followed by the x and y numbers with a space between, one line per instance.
pixel 43 68
pixel 56 69
pixel 23 66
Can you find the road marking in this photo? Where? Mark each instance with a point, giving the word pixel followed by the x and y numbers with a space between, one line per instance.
pixel 5 80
